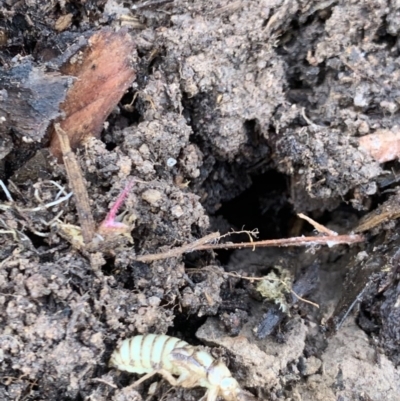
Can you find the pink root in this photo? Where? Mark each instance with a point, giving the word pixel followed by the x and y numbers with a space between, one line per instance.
pixel 109 222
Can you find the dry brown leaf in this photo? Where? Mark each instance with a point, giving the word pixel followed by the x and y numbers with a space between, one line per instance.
pixel 104 72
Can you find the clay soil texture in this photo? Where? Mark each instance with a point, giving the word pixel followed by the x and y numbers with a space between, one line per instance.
pixel 240 115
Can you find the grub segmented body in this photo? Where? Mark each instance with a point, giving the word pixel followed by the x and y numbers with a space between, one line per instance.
pixel 145 353
pixel 171 358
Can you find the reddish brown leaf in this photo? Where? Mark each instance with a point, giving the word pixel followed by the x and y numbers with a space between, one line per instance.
pixel 104 72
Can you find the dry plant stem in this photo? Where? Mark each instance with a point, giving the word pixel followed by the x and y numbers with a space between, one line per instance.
pixel 329 240
pixel 319 227
pixel 97 380
pixel 204 244
pixel 175 252
pixel 78 186
pixel 376 218
pixel 150 3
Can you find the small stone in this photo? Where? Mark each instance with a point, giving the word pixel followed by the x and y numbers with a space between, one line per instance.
pixel 177 211
pixel 37 286
pixel 363 128
pixel 362 256
pixel 97 340
pixel 312 366
pixel 154 301
pixel 144 151
pixel 390 107
pixel 152 196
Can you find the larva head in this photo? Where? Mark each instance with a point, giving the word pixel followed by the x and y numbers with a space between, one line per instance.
pixel 220 377
pixel 229 389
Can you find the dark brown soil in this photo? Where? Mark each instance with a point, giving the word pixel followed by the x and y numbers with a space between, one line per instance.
pixel 243 114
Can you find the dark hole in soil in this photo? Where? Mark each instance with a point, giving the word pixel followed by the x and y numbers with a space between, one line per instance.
pixel 252 130
pixel 20 22
pixel 110 146
pixel 383 37
pixel 18 157
pixel 263 206
pixel 185 326
pixel 109 267
pixel 37 240
pixel 131 111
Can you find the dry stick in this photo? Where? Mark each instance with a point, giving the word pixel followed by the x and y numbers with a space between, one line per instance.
pixel 204 244
pixel 329 240
pixel 319 227
pixel 150 3
pixel 98 380
pixel 77 184
pixel 175 252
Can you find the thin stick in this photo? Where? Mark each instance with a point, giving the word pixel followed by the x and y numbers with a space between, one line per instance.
pixel 329 240
pixel 77 184
pixel 205 244
pixel 150 3
pixel 319 227
pixel 96 379
pixel 175 252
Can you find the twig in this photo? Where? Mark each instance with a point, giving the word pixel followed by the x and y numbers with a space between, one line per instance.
pixel 77 184
pixel 96 379
pixel 329 240
pixel 319 227
pixel 208 243
pixel 150 4
pixel 175 252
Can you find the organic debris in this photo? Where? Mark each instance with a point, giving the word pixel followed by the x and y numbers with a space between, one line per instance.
pixel 388 212
pixel 383 145
pixel 273 287
pixel 103 72
pixel 30 99
pixel 78 185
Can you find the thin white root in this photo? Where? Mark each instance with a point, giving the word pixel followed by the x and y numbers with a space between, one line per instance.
pixel 6 191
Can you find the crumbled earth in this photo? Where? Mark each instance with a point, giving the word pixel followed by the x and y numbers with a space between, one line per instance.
pixel 243 113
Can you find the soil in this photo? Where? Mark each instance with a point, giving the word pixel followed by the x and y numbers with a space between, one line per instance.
pixel 243 114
